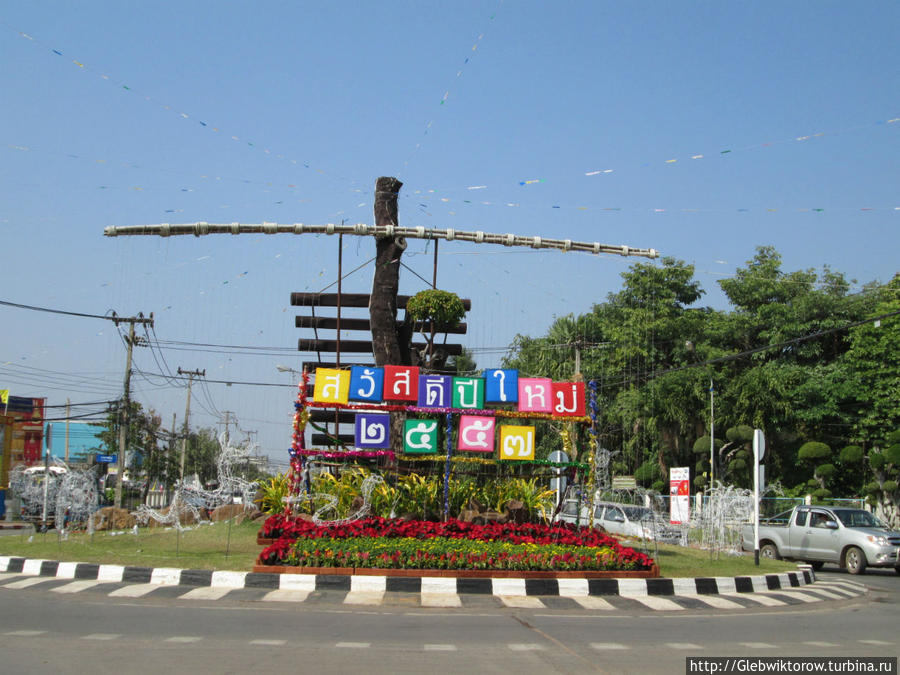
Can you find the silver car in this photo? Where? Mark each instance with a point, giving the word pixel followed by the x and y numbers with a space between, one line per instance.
pixel 626 520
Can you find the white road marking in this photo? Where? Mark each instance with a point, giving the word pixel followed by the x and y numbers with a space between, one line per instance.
pixel 439 648
pixel 268 643
pixel 521 601
pixel 25 633
pixel 683 645
pixel 877 643
pixel 758 645
pixel 102 636
pixel 717 602
pixel 591 602
pixel 134 591
pixel 440 600
pixel 286 596
pixel 184 639
pixel 353 645
pixel 525 647
pixel 30 581
pixel 805 597
pixel 76 586
pixel 828 594
pixel 364 598
pixel 816 643
pixel 656 602
pixel 608 646
pixel 206 593
pixel 762 599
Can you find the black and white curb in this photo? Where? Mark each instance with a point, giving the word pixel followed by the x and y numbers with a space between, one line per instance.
pixel 723 592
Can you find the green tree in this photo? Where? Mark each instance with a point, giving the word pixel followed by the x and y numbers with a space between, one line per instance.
pixel 874 368
pixel 142 439
pixel 201 454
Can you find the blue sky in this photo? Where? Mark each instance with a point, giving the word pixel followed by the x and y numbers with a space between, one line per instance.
pixel 778 116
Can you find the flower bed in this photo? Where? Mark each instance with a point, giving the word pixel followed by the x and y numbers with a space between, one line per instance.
pixel 381 543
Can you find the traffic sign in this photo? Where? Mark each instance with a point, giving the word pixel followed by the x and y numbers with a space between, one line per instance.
pixel 105 459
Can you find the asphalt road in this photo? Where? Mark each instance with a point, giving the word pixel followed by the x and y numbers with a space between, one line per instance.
pixel 46 632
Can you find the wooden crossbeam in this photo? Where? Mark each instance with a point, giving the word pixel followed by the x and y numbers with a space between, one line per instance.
pixel 363 346
pixel 330 322
pixel 349 300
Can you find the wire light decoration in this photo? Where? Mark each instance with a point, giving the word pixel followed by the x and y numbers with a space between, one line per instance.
pixel 193 501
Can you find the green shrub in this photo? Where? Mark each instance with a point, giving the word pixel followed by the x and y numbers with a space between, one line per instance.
pixel 814 450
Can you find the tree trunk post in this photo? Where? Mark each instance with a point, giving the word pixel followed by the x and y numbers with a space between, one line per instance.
pixel 386 344
pixel 390 346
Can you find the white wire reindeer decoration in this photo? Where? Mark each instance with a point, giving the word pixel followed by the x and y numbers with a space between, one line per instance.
pixel 193 501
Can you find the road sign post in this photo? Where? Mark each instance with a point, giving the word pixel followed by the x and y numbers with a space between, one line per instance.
pixel 759 450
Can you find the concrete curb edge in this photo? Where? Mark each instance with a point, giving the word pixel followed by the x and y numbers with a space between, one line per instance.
pixel 165 576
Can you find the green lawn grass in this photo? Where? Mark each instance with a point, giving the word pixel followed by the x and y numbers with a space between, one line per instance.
pixel 220 547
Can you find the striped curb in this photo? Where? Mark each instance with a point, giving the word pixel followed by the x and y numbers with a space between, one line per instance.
pixel 571 588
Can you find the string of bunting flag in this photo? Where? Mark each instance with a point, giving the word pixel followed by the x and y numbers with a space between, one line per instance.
pixel 589 173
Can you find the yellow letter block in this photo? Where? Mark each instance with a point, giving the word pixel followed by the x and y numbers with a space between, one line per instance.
pixel 332 385
pixel 516 442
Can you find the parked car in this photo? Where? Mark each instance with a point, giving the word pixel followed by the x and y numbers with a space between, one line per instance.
pixel 626 520
pixel 851 538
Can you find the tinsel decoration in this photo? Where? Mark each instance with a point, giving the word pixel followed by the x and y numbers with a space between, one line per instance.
pixel 448 433
pixel 298 448
pixel 594 445
pixel 486 412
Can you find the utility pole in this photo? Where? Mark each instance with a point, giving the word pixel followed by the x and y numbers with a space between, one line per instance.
pixel 187 412
pixel 68 412
pixel 131 340
pixel 712 436
pixel 227 422
pixel 172 437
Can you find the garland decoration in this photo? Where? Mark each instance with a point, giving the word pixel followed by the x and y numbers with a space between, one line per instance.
pixel 486 412
pixel 345 454
pixel 298 447
pixel 433 459
pixel 449 437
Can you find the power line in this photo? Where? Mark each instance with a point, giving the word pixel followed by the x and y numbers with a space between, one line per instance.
pixel 55 311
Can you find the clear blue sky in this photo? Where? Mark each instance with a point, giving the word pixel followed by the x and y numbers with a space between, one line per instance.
pixel 134 113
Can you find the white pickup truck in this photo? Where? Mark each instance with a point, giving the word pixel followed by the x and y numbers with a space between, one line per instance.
pixel 851 538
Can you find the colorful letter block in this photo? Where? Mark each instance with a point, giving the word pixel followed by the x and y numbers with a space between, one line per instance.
pixel 501 386
pixel 468 392
pixel 420 437
pixel 516 442
pixel 476 433
pixel 373 430
pixel 401 383
pixel 332 385
pixel 434 391
pixel 366 384
pixel 568 399
pixel 535 394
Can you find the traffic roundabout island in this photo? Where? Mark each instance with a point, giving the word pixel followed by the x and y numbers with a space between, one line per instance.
pixel 398 548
